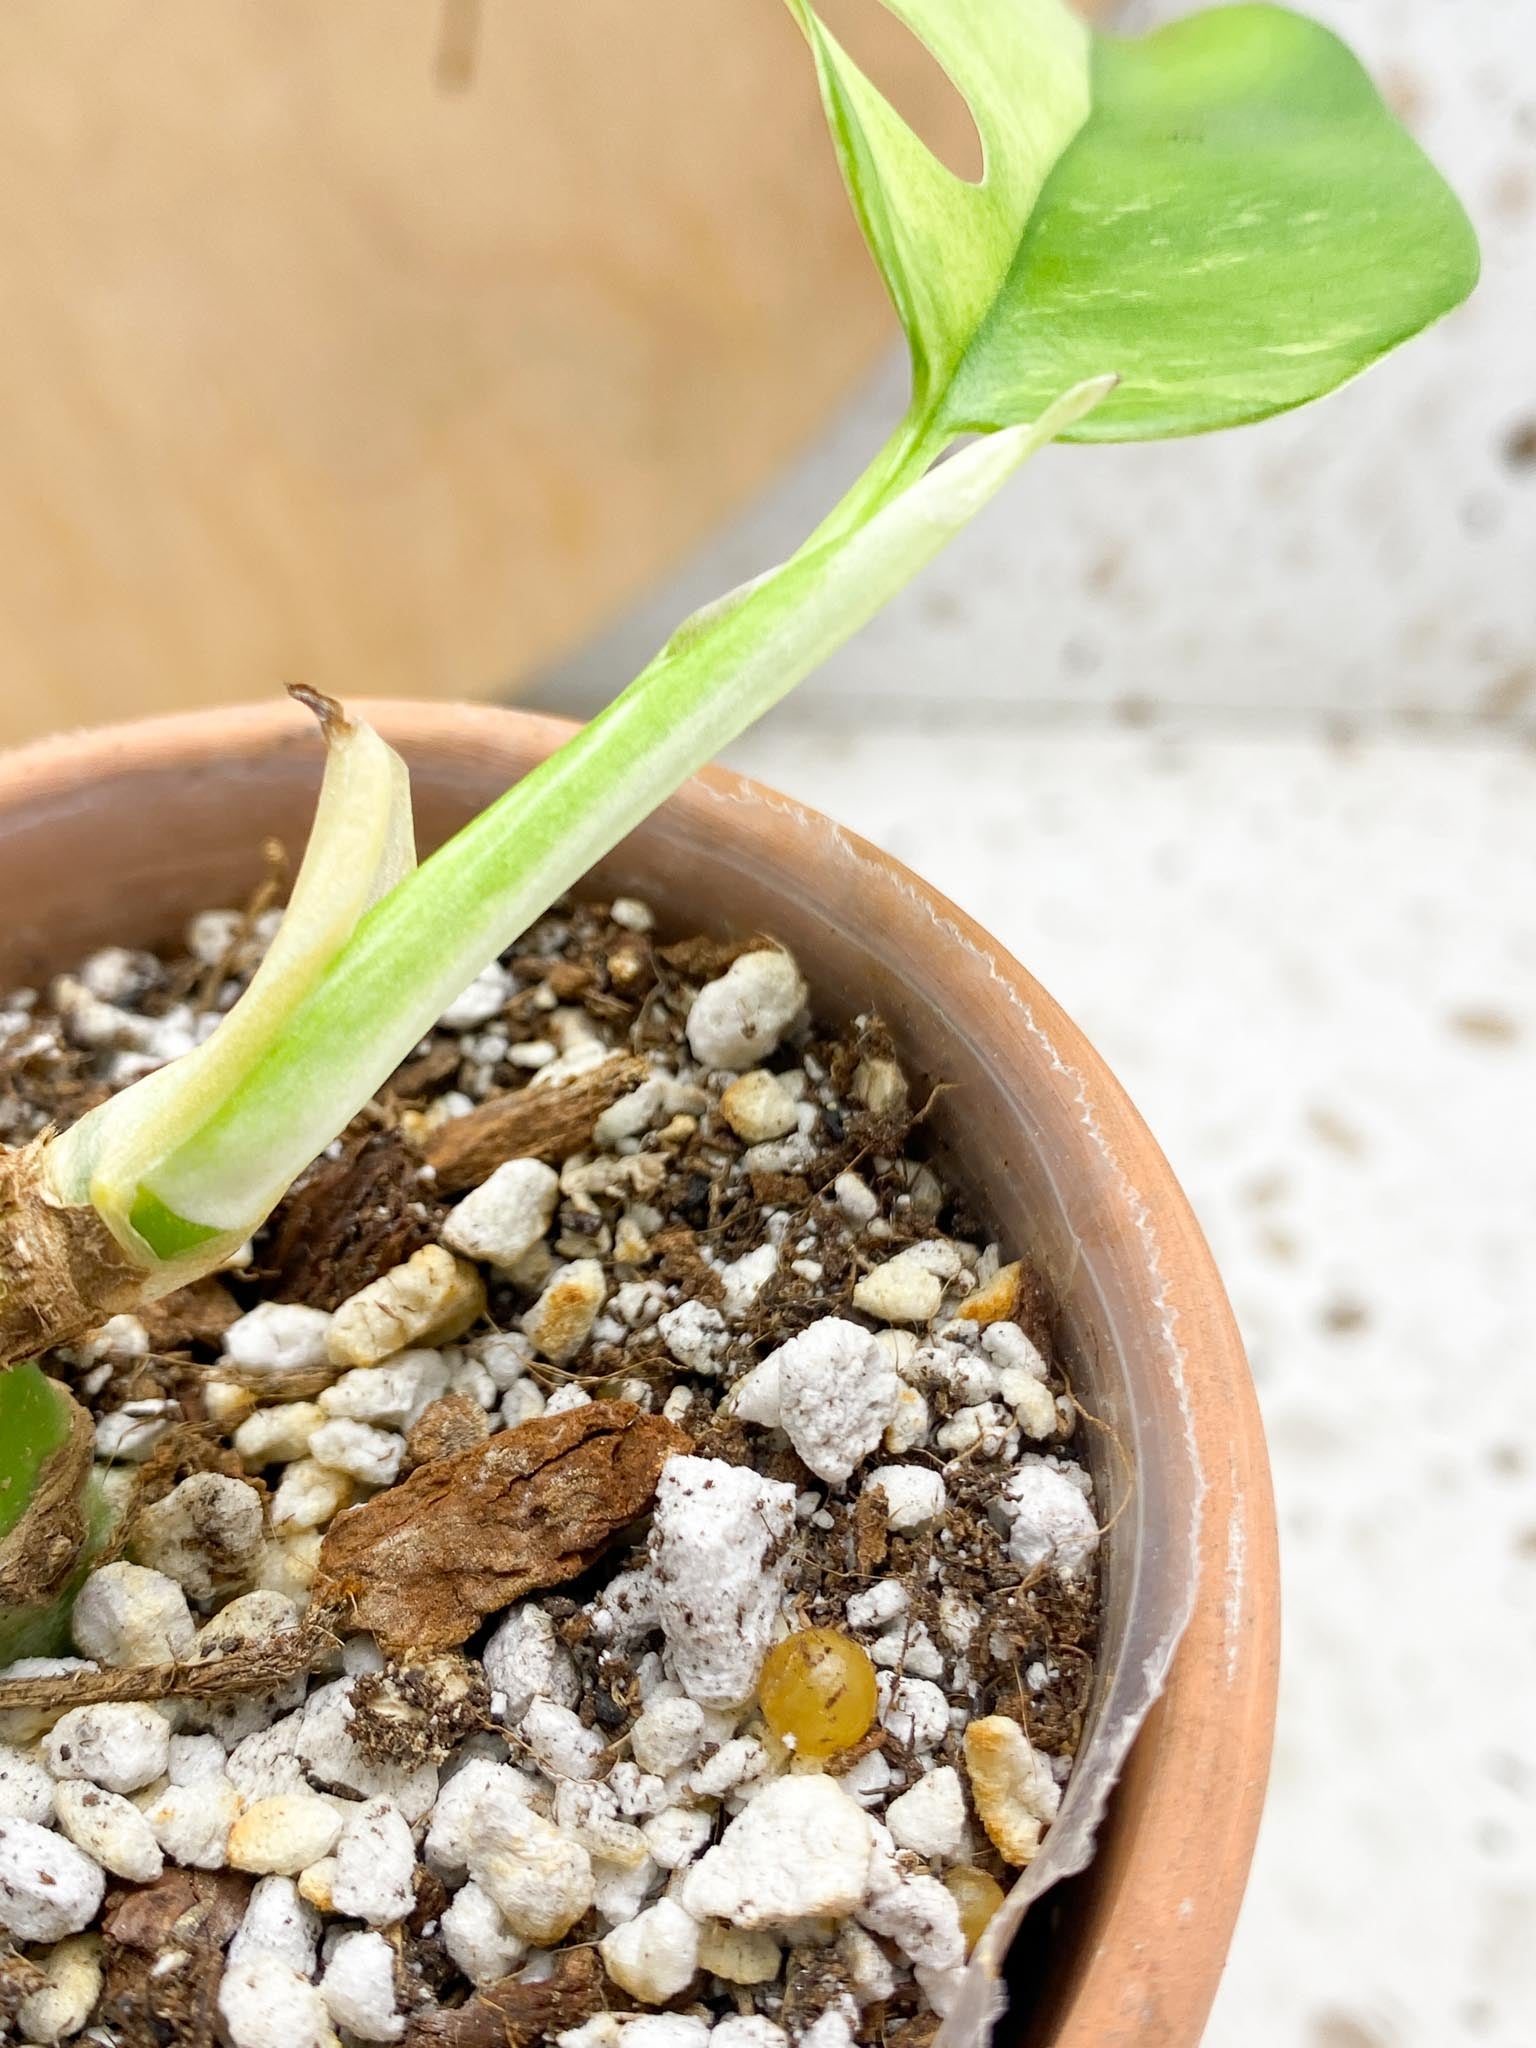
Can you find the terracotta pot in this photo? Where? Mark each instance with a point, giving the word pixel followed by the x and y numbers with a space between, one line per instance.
pixel 118 835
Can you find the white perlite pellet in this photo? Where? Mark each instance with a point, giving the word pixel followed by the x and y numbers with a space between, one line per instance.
pixel 192 1823
pixel 718 1536
pixel 48 1887
pixel 561 1320
pixel 278 1923
pixel 206 1534
pixel 525 1660
pixel 26 1789
pixel 541 1881
pixel 430 1299
pixel 478 1938
pixel 283 1336
pixel 914 1494
pixel 930 1818
pixel 738 1019
pixel 110 1830
pixel 266 2004
pixel 654 1956
pixel 837 1391
pixel 117 1745
pixel 127 1615
pixel 62 2004
pixel 800 1849
pixel 507 1215
pixel 375 1863
pixel 359 1988
pixel 371 1456
pixel 1045 1501
pixel 282 1835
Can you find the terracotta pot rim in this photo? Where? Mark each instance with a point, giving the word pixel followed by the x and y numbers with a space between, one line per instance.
pixel 1165 1885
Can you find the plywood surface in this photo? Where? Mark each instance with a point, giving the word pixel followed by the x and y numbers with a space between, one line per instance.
pixel 390 345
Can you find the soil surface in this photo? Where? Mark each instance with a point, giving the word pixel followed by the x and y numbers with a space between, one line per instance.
pixel 455 1558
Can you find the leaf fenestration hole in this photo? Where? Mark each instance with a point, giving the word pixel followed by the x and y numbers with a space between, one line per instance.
pixel 912 79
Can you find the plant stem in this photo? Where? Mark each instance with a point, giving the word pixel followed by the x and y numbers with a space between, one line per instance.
pixel 414 951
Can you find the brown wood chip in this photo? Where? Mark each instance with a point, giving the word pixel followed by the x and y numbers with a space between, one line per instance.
pixel 199 1314
pixel 180 1906
pixel 511 2012
pixel 349 1219
pixel 530 1123
pixel 424 1562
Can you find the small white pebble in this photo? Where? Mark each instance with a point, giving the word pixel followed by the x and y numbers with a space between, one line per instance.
pixel 913 1711
pixel 1051 1520
pixel 192 1823
pixel 758 1107
pixel 525 1659
pixel 26 1789
pixel 676 1836
pixel 560 1745
pixel 428 1300
pixel 484 998
pixel 478 1938
pixel 279 1923
pixel 855 1198
pixel 206 1534
pixel 667 1736
pixel 696 1336
pixel 801 1848
pixel 277 1436
pixel 632 914
pixel 876 1605
pixel 837 1392
pixel 375 1863
pixel 390 1396
pixel 565 1398
pixel 717 1548
pixel 903 1290
pixel 929 1819
pixel 561 1320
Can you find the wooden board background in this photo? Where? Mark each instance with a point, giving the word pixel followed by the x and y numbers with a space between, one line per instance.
pixel 391 344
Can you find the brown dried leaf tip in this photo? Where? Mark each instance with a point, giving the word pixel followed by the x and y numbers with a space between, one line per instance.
pixel 422 1564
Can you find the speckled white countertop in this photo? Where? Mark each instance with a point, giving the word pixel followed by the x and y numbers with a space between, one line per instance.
pixel 1234 744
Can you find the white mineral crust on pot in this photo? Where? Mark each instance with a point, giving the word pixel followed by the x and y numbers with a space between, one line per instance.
pixel 800 1850
pixel 837 1391
pixel 739 1018
pixel 717 1541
